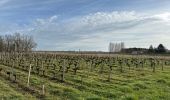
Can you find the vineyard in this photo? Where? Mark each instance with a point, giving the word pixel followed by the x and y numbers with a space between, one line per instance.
pixel 79 76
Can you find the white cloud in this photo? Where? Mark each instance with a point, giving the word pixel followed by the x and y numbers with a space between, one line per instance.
pixel 95 31
pixel 164 16
pixel 106 18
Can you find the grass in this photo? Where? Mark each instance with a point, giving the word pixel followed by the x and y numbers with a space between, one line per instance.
pixel 129 85
pixel 9 93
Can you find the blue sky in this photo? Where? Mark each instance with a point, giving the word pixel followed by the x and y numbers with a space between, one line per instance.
pixel 88 24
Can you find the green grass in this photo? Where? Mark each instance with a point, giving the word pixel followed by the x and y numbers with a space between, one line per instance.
pixel 8 93
pixel 129 85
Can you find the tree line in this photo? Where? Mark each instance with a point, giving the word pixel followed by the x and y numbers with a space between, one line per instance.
pixel 17 43
pixel 160 49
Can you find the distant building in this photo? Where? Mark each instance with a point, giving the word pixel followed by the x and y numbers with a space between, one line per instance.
pixel 116 47
pixel 134 51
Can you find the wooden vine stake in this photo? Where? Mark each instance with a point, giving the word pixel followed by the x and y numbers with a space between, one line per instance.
pixel 109 77
pixel 63 71
pixel 43 90
pixel 29 76
pixel 162 66
pixel 13 67
pixel 42 65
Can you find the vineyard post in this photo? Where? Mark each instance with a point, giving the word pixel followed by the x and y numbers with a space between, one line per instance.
pixel 42 65
pixel 36 62
pixel 29 76
pixel 13 66
pixel 63 72
pixel 109 78
pixel 43 90
pixel 153 66
pixel 88 66
pixel 162 66
pixel 110 67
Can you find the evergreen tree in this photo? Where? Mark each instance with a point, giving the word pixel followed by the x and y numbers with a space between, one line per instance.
pixel 151 49
pixel 161 49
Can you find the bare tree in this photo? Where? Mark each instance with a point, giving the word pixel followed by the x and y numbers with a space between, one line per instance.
pixel 17 43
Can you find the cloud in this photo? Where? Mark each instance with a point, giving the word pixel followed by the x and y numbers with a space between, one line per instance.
pixel 94 31
pixel 164 16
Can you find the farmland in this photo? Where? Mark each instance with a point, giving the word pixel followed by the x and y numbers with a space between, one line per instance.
pixel 80 76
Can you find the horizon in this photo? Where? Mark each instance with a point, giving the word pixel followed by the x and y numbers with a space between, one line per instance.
pixel 79 50
pixel 88 25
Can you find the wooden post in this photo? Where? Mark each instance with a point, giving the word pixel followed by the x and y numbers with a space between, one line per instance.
pixel 109 77
pixel 29 76
pixel 42 66
pixel 162 66
pixel 13 67
pixel 121 68
pixel 153 67
pixel 43 90
pixel 63 72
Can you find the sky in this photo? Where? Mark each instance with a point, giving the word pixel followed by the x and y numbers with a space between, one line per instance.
pixel 88 25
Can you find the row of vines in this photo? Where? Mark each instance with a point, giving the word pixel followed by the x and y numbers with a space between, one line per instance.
pixel 61 66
